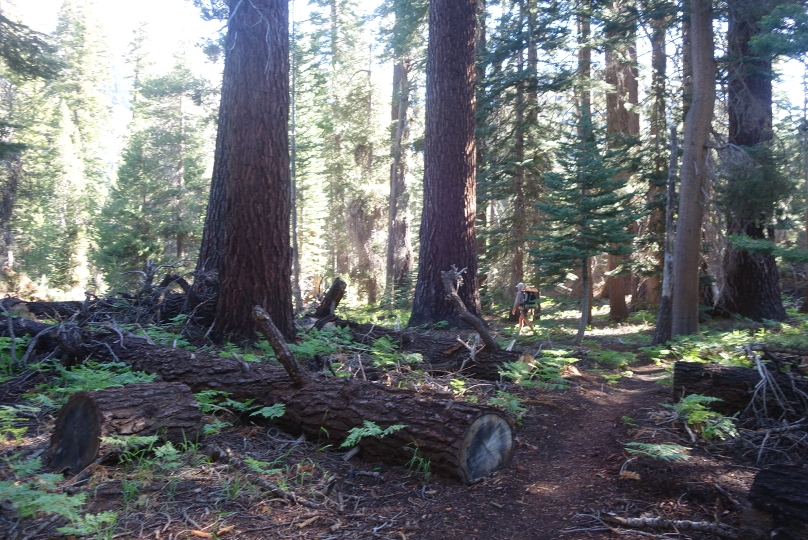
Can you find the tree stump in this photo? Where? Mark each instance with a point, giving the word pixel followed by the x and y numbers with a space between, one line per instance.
pixel 167 410
pixel 331 299
pixel 782 491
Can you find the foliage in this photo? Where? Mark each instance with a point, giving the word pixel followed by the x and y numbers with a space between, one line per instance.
pixel 325 342
pixel 7 358
pixel 692 410
pixel 33 494
pixel 368 429
pixel 665 452
pixel 97 376
pixel 99 525
pixel 613 359
pixel 510 403
pixel 543 372
pixel 387 356
pixel 9 419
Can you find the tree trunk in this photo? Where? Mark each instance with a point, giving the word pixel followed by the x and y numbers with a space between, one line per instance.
pixel 166 409
pixel 460 440
pixel 586 302
pixel 751 282
pixel 656 191
pixel 255 266
pixel 735 386
pixel 695 173
pixel 447 234
pixel 662 332
pixel 331 299
pixel 399 246
pixel 622 123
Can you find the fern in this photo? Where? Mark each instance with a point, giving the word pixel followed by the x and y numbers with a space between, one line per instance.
pixel 665 452
pixel 691 409
pixel 368 429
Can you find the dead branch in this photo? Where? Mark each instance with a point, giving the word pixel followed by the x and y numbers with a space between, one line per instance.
pixel 282 351
pixel 678 524
pixel 452 279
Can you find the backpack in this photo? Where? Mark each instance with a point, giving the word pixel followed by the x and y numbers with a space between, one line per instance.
pixel 530 298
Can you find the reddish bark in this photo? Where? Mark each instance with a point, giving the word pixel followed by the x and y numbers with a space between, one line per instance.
pixel 447 232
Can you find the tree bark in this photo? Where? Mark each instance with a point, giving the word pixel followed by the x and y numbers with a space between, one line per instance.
pixel 254 265
pixel 695 173
pixel 447 233
pixel 735 386
pixel 751 282
pixel 166 409
pixel 662 332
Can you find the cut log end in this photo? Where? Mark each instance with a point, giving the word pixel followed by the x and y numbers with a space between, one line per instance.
pixel 486 447
pixel 77 435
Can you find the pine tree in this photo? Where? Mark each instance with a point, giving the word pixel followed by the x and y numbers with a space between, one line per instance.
pixel 156 206
pixel 586 210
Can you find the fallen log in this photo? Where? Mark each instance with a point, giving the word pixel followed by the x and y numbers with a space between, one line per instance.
pixel 457 439
pixel 735 386
pixel 782 491
pixel 167 410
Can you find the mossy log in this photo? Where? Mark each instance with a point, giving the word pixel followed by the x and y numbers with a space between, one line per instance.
pixel 167 410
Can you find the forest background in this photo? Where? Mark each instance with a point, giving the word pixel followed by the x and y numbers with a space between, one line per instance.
pixel 106 165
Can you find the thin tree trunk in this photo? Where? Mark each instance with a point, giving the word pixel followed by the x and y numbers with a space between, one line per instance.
pixel 695 173
pixel 399 246
pixel 586 303
pixel 656 190
pixel 662 332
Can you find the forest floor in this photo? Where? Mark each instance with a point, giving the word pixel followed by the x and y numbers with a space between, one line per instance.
pixel 569 470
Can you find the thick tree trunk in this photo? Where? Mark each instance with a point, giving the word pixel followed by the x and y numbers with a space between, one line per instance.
pixel 253 145
pixel 447 232
pixel 735 386
pixel 622 123
pixel 695 173
pixel 166 409
pixel 751 282
pixel 460 440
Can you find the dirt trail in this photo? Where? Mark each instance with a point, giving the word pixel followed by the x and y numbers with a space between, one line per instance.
pixel 567 461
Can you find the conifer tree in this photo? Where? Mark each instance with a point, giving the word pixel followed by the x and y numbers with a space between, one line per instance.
pixel 586 210
pixel 156 206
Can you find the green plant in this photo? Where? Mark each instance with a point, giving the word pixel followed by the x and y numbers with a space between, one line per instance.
pixel 692 410
pixel 665 452
pixel 459 386
pixel 613 359
pixel 97 376
pixel 9 421
pixel 419 464
pixel 510 403
pixel 368 429
pixel 168 456
pixel 629 421
pixel 99 526
pixel 387 356
pixel 34 494
pixel 543 372
pixel 275 411
pixel 7 356
pixel 214 427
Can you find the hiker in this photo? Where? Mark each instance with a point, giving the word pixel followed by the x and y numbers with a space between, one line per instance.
pixel 520 306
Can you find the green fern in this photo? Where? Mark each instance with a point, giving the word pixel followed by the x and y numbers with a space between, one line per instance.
pixel 368 429
pixel 665 452
pixel 692 410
